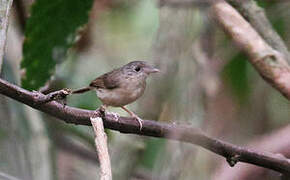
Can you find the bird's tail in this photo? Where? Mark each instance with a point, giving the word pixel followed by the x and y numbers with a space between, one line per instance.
pixel 82 90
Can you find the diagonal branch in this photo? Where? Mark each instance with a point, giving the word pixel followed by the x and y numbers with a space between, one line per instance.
pixel 276 142
pixel 267 52
pixel 258 19
pixel 182 133
pixel 270 64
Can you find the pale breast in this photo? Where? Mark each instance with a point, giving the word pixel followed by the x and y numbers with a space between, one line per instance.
pixel 121 96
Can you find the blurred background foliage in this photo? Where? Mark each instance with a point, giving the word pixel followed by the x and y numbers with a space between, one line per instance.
pixel 206 81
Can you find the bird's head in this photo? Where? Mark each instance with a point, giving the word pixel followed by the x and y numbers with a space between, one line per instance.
pixel 139 69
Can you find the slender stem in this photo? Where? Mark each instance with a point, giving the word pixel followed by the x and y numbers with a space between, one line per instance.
pixel 102 148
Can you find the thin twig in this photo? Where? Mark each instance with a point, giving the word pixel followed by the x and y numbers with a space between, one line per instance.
pixel 56 95
pixel 183 133
pixel 102 148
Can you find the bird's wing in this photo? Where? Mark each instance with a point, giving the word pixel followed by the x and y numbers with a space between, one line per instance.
pixel 109 80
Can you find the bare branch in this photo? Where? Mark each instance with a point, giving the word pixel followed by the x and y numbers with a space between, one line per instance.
pixel 5 6
pixel 250 11
pixel 270 63
pixel 56 95
pixel 182 133
pixel 102 148
pixel 258 19
pixel 276 142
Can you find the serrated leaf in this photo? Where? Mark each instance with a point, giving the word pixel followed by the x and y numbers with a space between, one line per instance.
pixel 50 31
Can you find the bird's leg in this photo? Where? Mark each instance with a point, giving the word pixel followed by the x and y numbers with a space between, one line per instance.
pixel 103 109
pixel 133 115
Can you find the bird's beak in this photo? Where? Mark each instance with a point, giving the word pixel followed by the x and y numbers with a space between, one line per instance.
pixel 151 69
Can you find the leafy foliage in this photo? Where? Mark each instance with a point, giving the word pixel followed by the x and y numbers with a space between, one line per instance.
pixel 50 31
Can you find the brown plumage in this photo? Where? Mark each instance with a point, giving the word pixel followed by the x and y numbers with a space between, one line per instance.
pixel 121 86
pixel 108 81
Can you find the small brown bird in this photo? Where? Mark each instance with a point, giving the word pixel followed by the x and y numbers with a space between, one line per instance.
pixel 122 86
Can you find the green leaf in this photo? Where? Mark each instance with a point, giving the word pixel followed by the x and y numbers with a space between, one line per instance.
pixel 50 31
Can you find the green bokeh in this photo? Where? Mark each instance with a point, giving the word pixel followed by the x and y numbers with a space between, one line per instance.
pixel 236 74
pixel 153 149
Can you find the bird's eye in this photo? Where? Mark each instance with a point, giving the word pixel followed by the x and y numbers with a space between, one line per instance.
pixel 137 69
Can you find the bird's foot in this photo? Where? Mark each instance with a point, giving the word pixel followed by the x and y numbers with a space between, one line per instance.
pixel 139 121
pixel 103 111
pixel 134 116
